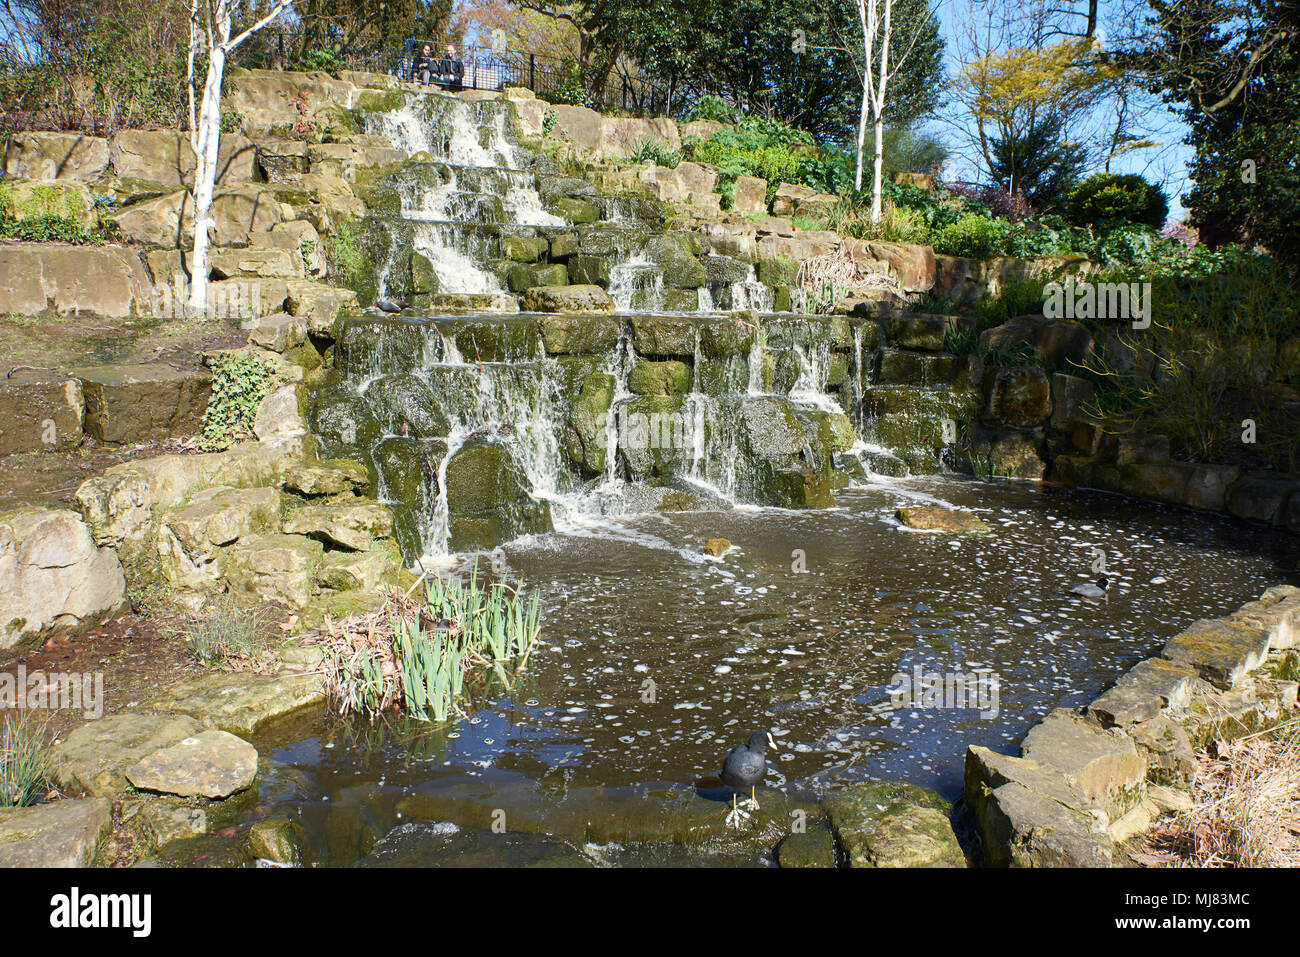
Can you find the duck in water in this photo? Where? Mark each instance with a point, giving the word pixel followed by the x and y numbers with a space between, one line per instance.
pixel 1092 592
pixel 744 768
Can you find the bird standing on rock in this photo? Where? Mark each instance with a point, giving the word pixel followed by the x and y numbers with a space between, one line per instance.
pixel 744 768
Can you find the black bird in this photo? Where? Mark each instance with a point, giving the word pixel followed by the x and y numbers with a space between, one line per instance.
pixel 744 768
pixel 1093 592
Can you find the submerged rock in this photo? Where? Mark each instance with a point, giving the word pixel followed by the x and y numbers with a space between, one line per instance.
pixel 275 839
pixel 814 847
pixel 427 844
pixel 881 824
pixel 933 518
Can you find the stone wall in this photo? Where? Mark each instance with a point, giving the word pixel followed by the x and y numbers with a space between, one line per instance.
pixel 1087 781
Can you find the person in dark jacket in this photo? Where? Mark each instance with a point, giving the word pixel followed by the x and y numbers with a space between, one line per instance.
pixel 450 69
pixel 423 66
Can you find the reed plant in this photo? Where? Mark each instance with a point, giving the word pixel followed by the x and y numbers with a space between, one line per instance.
pixel 418 654
pixel 24 761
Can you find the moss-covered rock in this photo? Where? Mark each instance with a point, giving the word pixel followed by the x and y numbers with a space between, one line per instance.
pixel 585 436
pixel 590 270
pixel 404 404
pixel 659 378
pixel 523 276
pixel 567 334
pixel 881 824
pixel 674 254
pixel 488 499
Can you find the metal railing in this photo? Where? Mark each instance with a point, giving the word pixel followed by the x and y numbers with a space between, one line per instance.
pixel 484 68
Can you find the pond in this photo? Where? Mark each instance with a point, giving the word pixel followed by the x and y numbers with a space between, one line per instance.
pixel 657 658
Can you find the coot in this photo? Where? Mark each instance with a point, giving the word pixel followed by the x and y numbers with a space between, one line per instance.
pixel 1093 592
pixel 744 768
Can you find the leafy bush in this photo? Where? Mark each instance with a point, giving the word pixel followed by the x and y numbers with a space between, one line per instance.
pixel 763 148
pixel 240 381
pixel 711 107
pixel 649 151
pixel 973 236
pixel 1117 198
pixel 322 60
pixel 568 86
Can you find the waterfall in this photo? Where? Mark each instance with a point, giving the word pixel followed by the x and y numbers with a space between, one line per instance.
pixel 637 285
pixel 478 404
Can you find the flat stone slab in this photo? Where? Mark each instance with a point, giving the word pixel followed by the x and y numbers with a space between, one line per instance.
pixel 61 834
pixel 240 703
pixel 212 764
pixel 347 526
pixel 933 518
pixel 893 825
pixel 143 402
pixel 94 757
pixel 330 477
pixel 1103 765
pixel 1277 611
pixel 1221 650
pixel 1142 691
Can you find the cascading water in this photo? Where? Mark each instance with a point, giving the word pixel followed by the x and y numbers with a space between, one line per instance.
pixel 485 428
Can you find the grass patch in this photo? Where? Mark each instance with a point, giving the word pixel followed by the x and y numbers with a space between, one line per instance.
pixel 229 636
pixel 24 761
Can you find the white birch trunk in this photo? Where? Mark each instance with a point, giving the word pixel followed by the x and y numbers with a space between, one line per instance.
pixel 205 135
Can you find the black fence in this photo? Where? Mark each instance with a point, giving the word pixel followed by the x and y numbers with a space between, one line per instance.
pixel 554 79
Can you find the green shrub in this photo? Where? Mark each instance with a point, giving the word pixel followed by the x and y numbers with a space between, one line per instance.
pixel 322 60
pixel 1117 198
pixel 711 107
pixel 240 381
pixel 972 236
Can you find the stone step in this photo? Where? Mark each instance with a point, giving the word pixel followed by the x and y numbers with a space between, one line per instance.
pixel 40 411
pixel 143 402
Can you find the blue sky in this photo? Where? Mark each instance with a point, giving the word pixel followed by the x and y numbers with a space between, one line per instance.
pixel 1172 165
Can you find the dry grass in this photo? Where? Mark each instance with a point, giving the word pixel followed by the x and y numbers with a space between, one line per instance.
pixel 1245 811
pixel 823 281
